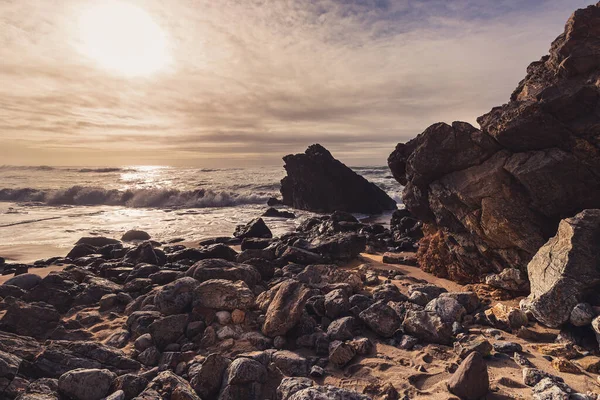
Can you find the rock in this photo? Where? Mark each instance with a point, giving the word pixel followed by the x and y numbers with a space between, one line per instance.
pixel 81 250
pixel 582 314
pixel 275 213
pixel 589 364
pixel 171 386
pixel 133 234
pixel 24 281
pixel 506 318
pixel 471 380
pixel 468 300
pixel 317 372
pixel 341 246
pixel 29 319
pixel 224 317
pixel 291 364
pixel 340 353
pixel 146 253
pixel 317 182
pixel 238 316
pixel 244 371
pixel 564 350
pixel 565 269
pixel 59 357
pixel 428 327
pixel 510 279
pixel 381 318
pixel 86 384
pixel 336 304
pixel 564 365
pixel 320 276
pixel 131 384
pixel 448 309
pixel 466 346
pixel 222 294
pixel 492 197
pixel 285 308
pixel 253 229
pixel 139 321
pixel 532 376
pixel 300 256
pixel 98 241
pixel 342 329
pixel 221 269
pixel 149 357
pixel 400 258
pixel 296 389
pixel 507 347
pixel 21 346
pixel 388 292
pixel 549 389
pixel 206 378
pixel 176 297
pixel 168 330
pixel 118 339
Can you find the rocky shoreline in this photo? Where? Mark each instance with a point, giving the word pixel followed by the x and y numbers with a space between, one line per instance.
pixel 485 286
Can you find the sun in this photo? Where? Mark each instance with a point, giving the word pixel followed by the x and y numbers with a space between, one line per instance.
pixel 122 38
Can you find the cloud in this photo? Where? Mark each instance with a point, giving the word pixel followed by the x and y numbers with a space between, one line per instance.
pixel 251 81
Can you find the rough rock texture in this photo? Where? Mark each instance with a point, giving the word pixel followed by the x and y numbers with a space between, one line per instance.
pixel 566 269
pixel 318 182
pixel 490 198
pixel 471 380
pixel 86 384
pixel 285 308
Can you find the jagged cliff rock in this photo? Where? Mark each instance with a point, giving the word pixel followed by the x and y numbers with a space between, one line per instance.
pixel 491 197
pixel 318 182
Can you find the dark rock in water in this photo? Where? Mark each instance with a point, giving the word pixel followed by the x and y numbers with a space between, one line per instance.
pixel 81 250
pixel 253 229
pixel 275 213
pixel 272 202
pixel 565 270
pixel 492 197
pixel 135 235
pixel 318 182
pixel 471 380
pixel 97 241
pixel 255 244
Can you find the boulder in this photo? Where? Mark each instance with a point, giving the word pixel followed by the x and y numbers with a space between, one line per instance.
pixel 29 319
pixel 285 307
pixel 24 281
pixel 253 229
pixel 491 197
pixel 168 330
pixel 318 182
pixel 471 380
pixel 275 213
pixel 134 234
pixel 381 318
pixel 582 314
pixel 322 275
pixel 304 389
pixel 86 384
pixel 511 279
pixel 170 386
pixel 428 327
pixel 214 268
pixel 220 294
pixel 340 353
pixel 206 378
pixel 448 309
pixel 98 241
pixel 176 297
pixel 245 371
pixel 506 318
pixel 566 269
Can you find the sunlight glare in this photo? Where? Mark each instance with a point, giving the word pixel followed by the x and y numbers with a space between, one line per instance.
pixel 123 38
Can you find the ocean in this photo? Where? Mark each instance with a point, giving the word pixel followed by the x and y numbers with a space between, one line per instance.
pixel 45 210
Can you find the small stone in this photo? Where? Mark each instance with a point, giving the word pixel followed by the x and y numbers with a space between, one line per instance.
pixel 564 365
pixel 340 353
pixel 507 347
pixel 224 317
pixel 238 316
pixel 317 372
pixel 582 314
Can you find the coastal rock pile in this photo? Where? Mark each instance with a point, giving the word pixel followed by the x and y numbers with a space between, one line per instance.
pixel 491 197
pixel 211 322
pixel 318 182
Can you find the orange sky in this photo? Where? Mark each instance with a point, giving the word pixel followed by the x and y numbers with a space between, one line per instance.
pixel 231 83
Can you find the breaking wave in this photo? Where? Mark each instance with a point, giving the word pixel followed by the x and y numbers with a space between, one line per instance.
pixel 136 198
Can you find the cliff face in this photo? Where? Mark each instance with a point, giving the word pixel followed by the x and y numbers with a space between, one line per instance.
pixel 318 182
pixel 491 197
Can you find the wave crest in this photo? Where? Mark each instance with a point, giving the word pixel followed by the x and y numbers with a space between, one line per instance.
pixel 136 198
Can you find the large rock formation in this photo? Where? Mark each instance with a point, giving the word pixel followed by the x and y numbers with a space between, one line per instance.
pixel 566 269
pixel 491 197
pixel 318 182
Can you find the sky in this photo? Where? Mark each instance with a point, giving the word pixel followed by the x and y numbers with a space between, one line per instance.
pixel 234 83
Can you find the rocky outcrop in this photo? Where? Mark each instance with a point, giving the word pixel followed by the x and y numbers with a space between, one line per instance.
pixel 318 182
pixel 491 197
pixel 566 270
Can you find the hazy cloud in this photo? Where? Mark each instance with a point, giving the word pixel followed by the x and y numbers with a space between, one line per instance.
pixel 253 80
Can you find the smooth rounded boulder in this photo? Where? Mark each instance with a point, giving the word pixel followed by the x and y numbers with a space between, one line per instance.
pixel 24 281
pixel 86 384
